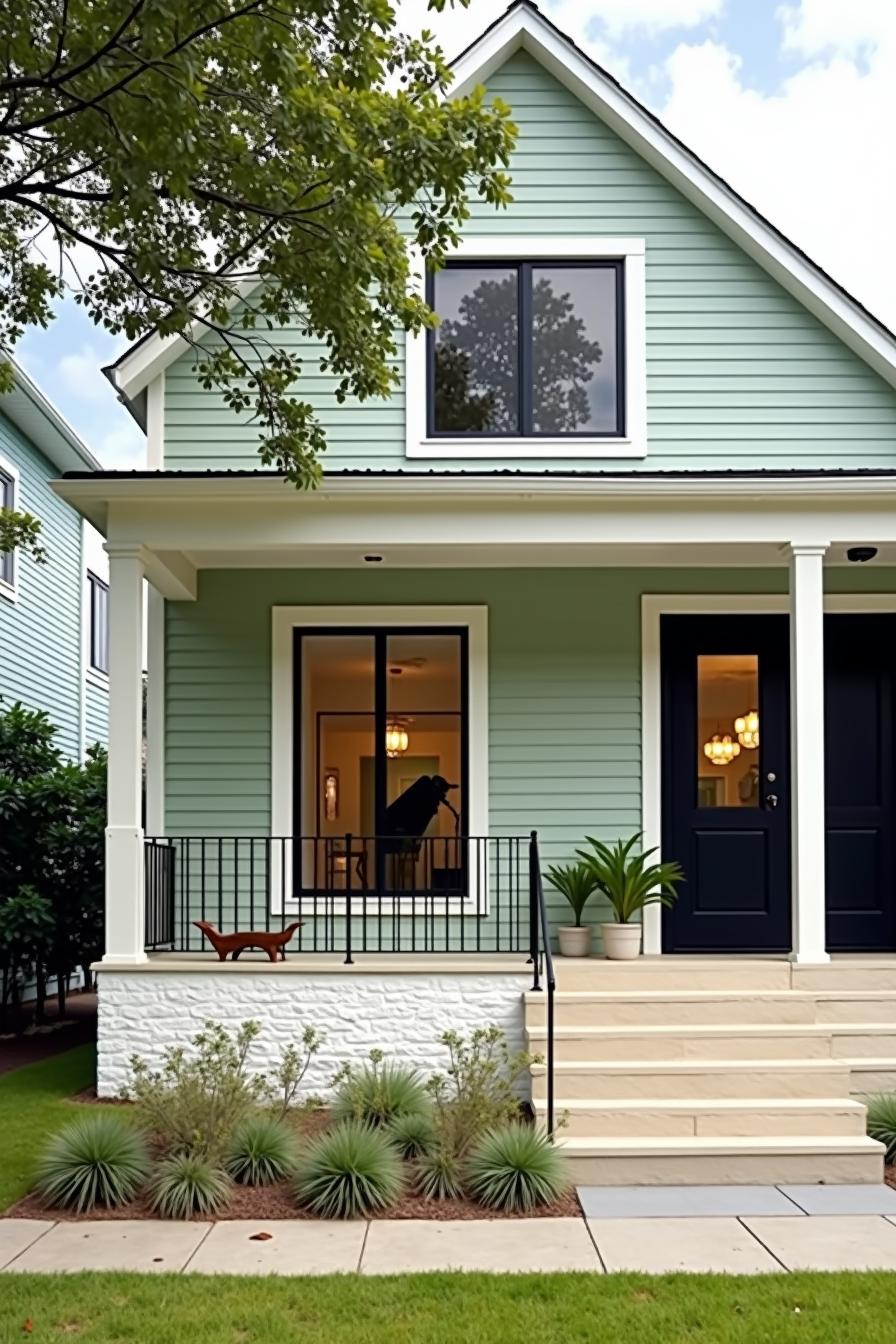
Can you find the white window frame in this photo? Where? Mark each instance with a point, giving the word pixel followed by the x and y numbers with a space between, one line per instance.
pixel 284 620
pixel 9 588
pixel 633 444
pixel 94 673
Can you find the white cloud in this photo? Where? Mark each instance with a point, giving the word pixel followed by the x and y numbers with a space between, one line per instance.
pixel 843 26
pixel 80 372
pixel 812 157
pixel 122 448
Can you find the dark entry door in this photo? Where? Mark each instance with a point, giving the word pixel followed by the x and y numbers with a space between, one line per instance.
pixel 860 661
pixel 725 770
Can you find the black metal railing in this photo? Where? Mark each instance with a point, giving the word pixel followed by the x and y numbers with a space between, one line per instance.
pixel 352 894
pixel 158 878
pixel 542 965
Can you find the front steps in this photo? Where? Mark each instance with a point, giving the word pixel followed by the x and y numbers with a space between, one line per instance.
pixel 708 1070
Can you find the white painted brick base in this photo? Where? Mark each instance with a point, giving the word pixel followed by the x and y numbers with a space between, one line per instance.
pixel 143 1012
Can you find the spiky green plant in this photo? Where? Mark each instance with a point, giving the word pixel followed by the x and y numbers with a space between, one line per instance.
pixel 349 1171
pixel 98 1159
pixel 516 1168
pixel 576 883
pixel 629 881
pixel 881 1121
pixel 186 1184
pixel 412 1134
pixel 263 1151
pixel 378 1092
pixel 439 1174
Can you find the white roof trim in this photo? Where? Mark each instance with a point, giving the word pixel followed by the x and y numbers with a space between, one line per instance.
pixel 523 27
pixel 35 416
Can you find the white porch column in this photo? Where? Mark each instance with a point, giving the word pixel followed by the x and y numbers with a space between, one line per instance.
pixel 124 831
pixel 807 750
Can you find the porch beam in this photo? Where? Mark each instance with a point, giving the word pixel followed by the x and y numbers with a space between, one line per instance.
pixel 807 750
pixel 124 831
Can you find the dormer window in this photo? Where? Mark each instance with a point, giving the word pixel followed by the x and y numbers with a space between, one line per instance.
pixel 540 352
pixel 528 349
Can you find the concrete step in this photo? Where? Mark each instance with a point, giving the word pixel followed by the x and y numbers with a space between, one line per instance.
pixel 671 1007
pixel 687 973
pixel 715 1117
pixel 599 1079
pixel 797 1160
pixel 729 1041
pixel 868 1074
pixel 847 973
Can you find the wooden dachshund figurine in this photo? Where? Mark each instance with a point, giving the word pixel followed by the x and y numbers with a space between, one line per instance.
pixel 272 943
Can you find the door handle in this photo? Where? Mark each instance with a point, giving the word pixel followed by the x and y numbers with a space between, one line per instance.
pixel 771 800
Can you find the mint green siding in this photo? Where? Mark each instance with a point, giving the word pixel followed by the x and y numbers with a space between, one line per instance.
pixel 739 374
pixel 96 714
pixel 40 632
pixel 564 688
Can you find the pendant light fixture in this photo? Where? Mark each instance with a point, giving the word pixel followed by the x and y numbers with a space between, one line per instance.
pixel 396 738
pixel 747 728
pixel 721 749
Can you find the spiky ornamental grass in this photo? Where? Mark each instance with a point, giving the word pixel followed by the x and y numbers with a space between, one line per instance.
pixel 439 1174
pixel 516 1168
pixel 98 1159
pixel 881 1121
pixel 379 1092
pixel 263 1151
pixel 351 1170
pixel 413 1134
pixel 186 1184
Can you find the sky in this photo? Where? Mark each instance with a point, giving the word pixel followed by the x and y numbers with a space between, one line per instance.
pixel 792 101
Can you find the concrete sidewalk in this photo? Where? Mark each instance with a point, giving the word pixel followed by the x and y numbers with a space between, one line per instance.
pixel 749 1244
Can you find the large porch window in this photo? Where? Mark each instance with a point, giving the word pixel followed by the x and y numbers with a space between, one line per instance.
pixel 381 758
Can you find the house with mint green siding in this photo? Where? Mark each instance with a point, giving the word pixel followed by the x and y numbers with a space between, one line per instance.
pixel 619 557
pixel 53 652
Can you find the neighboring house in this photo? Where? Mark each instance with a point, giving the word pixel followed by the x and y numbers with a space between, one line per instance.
pixel 53 633
pixel 598 564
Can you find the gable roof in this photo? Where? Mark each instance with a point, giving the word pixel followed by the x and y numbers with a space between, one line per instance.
pixel 35 416
pixel 524 27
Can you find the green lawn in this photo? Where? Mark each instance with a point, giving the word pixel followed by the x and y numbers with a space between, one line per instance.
pixel 450 1309
pixel 33 1104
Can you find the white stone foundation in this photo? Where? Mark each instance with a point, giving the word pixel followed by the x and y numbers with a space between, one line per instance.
pixel 144 1011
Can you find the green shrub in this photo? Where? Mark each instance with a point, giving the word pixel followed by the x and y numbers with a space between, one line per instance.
pixel 98 1159
pixel 412 1134
pixel 185 1184
pixel 194 1105
pixel 516 1168
pixel 378 1092
pixel 477 1092
pixel 349 1171
pixel 881 1121
pixel 263 1150
pixel 439 1174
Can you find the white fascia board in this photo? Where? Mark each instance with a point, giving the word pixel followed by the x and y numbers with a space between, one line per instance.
pixel 32 412
pixel 525 28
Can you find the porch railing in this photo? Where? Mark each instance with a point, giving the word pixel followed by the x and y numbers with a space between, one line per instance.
pixel 352 894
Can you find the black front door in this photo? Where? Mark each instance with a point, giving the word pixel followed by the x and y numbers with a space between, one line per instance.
pixel 725 769
pixel 860 668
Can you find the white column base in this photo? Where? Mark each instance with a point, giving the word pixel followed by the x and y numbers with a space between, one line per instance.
pixel 124 895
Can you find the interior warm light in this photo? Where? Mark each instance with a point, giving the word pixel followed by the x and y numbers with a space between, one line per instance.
pixel 721 749
pixel 747 728
pixel 396 738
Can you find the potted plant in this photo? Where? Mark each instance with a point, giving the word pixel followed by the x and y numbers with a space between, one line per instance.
pixel 630 882
pixel 575 882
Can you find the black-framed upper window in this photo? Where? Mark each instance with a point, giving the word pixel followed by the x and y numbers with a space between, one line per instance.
pixel 527 348
pixel 7 501
pixel 99 624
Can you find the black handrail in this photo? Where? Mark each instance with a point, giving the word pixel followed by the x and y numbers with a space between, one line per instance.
pixel 540 948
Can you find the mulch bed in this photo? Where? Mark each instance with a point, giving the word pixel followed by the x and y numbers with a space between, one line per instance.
pixel 276 1202
pixel 890 1176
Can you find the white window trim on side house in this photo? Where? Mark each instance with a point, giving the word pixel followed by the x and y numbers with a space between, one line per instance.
pixel 523 247
pixel 9 588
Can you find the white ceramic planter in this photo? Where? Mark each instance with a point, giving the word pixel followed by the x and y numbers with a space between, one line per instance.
pixel 622 942
pixel 574 942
